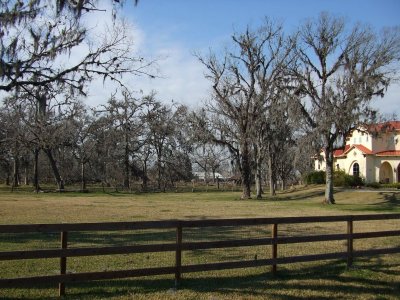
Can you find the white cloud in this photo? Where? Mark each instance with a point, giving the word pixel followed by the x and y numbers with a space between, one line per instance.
pixel 390 103
pixel 180 77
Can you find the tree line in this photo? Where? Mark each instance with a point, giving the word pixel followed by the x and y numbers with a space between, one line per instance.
pixel 276 99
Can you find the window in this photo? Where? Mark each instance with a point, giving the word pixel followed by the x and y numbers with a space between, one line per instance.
pixel 356 170
pixel 367 137
pixel 338 167
pixel 359 140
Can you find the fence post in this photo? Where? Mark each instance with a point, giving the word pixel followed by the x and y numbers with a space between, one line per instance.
pixel 350 242
pixel 274 246
pixel 178 254
pixel 63 262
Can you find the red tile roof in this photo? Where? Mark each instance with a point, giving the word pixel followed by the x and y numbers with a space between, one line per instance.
pixel 347 148
pixel 341 152
pixel 363 149
pixel 385 126
pixel 388 153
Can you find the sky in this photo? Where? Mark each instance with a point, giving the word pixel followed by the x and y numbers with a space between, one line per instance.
pixel 171 31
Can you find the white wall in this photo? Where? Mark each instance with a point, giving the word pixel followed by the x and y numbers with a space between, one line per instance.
pixel 360 138
pixel 370 165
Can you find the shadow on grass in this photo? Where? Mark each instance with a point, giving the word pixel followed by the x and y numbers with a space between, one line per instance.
pixel 302 193
pixel 332 278
pixel 390 203
pixel 305 195
pixel 327 281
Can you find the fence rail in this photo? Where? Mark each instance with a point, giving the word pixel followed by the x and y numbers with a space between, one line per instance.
pixel 179 245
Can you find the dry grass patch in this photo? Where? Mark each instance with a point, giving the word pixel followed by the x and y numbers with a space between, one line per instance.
pixel 371 278
pixel 74 207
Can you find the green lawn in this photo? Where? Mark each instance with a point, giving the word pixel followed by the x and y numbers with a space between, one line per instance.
pixel 370 278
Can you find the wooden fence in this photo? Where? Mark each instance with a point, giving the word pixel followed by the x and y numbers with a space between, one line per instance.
pixel 179 245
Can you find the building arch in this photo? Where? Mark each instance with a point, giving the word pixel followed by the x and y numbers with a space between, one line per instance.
pixel 398 173
pixel 386 173
pixel 356 169
pixel 354 166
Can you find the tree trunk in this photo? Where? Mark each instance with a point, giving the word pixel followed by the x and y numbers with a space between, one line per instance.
pixel 15 182
pixel 26 179
pixel 36 171
pixel 159 173
pixel 272 191
pixel 53 164
pixel 8 176
pixel 283 184
pixel 126 163
pixel 83 179
pixel 329 199
pixel 246 172
pixel 258 179
pixel 144 176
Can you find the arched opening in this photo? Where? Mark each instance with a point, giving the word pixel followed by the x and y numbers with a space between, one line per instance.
pixel 398 173
pixel 386 173
pixel 356 170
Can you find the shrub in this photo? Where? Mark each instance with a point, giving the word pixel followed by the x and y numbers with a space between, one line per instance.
pixel 391 185
pixel 357 181
pixel 374 185
pixel 340 178
pixel 315 177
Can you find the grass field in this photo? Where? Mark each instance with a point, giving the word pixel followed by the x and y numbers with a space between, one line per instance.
pixel 370 278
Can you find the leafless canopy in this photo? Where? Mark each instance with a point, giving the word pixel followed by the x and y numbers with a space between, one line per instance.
pixel 340 69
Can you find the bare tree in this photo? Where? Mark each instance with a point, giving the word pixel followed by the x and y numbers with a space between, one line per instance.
pixel 45 118
pixel 10 140
pixel 209 158
pixel 162 127
pixel 84 141
pixel 36 40
pixel 278 140
pixel 244 82
pixel 33 51
pixel 126 117
pixel 340 70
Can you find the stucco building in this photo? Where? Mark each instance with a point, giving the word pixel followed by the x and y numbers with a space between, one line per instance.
pixel 371 152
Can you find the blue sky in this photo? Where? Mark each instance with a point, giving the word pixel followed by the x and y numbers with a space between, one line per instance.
pixel 201 22
pixel 172 30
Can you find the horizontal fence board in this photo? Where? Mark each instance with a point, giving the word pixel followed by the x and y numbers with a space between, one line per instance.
pixel 110 226
pixel 75 252
pixel 375 234
pixel 372 217
pixel 371 252
pixel 161 271
pixel 186 268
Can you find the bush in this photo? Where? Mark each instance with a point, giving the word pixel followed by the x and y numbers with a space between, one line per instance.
pixel 340 178
pixel 391 185
pixel 374 185
pixel 315 177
